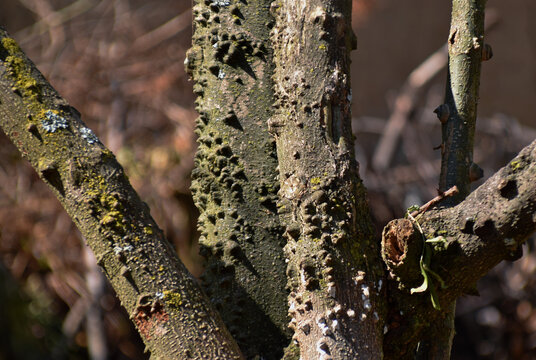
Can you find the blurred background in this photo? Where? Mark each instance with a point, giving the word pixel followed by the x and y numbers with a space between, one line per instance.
pixel 120 63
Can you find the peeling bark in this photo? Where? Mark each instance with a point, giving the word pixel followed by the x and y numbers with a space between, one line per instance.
pixel 165 302
pixel 335 275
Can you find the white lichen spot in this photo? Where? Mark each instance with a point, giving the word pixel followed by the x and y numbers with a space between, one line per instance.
pixel 349 96
pixel 53 122
pixel 332 291
pixel 292 306
pixel 363 317
pixel 221 74
pixel 375 316
pixel 337 309
pixel 335 325
pixel 321 322
pixel 365 290
pixel 221 2
pixel 367 305
pixel 159 295
pixel 292 187
pixel 118 249
pixel 350 313
pixel 385 329
pixel 89 135
pixel 476 43
pixel 359 278
pixel 302 277
pixel 380 284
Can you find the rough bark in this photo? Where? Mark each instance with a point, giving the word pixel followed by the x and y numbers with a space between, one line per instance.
pixel 335 274
pixel 235 181
pixel 470 239
pixel 165 302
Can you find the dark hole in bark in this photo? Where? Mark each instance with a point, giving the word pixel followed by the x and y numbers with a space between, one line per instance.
pixel 485 230
pixel 395 250
pixel 52 176
pixel 468 226
pixel 509 189
pixel 452 38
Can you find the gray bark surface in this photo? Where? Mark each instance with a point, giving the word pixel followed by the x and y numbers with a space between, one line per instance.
pixel 235 181
pixel 334 272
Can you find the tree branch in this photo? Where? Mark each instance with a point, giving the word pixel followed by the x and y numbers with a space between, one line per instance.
pixel 467 240
pixel 165 302
pixel 458 114
pixel 422 337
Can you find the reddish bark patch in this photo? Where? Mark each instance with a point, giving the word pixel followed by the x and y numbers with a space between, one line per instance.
pixel 397 235
pixel 148 318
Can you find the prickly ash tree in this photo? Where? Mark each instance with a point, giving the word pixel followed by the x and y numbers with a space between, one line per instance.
pixel 292 268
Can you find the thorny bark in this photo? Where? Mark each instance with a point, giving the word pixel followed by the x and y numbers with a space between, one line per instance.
pixel 334 273
pixel 235 181
pixel 165 302
pixel 465 49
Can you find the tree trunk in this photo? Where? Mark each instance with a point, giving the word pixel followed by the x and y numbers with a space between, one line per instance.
pixel 235 180
pixel 335 274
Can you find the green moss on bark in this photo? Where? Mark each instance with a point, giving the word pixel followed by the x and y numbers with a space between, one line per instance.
pixel 94 190
pixel 235 181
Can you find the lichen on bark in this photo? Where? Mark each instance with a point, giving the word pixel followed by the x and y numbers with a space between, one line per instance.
pixel 92 187
pixel 334 274
pixel 235 181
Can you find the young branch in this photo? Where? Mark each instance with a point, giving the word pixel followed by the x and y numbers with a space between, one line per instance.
pixel 450 192
pixel 458 113
pixel 173 316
